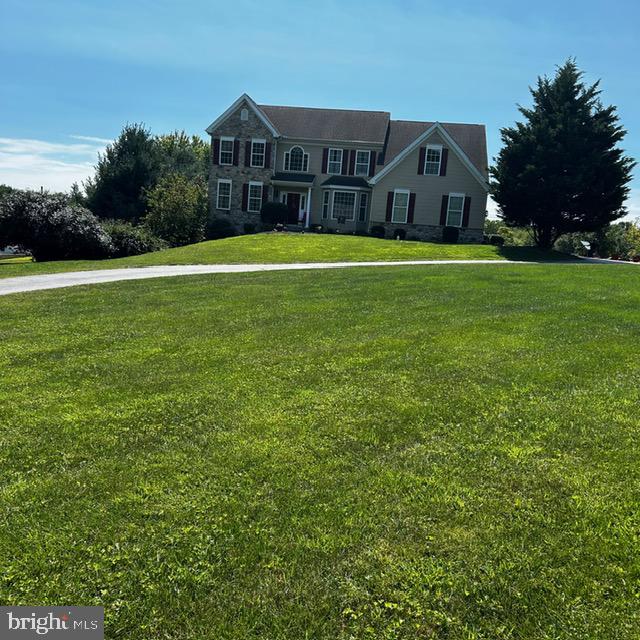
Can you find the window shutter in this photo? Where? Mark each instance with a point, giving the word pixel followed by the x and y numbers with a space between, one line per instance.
pixel 345 162
pixel 236 152
pixel 267 155
pixel 216 150
pixel 443 210
pixel 247 153
pixel 421 157
pixel 389 206
pixel 325 159
pixel 372 163
pixel 245 196
pixel 465 211
pixel 265 193
pixel 412 206
pixel 443 162
pixel 352 162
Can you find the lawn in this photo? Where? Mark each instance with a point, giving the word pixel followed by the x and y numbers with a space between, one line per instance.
pixel 286 248
pixel 444 452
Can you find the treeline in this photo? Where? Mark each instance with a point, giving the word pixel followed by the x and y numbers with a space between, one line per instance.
pixel 148 192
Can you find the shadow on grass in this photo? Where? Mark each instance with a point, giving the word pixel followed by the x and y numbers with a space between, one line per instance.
pixel 533 254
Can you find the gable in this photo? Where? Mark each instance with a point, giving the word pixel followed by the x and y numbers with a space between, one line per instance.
pixel 243 102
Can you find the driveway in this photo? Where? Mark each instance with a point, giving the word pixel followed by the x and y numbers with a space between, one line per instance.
pixel 22 284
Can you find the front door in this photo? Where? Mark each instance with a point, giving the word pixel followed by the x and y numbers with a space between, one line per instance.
pixel 293 203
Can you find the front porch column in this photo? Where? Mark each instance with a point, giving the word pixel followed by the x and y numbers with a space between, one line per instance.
pixel 308 218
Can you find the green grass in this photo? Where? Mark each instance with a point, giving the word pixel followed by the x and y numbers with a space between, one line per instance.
pixel 287 248
pixel 443 452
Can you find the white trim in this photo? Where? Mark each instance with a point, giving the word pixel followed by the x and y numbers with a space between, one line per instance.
pixel 264 153
pixel 464 199
pixel 344 187
pixel 451 143
pixel 267 123
pixel 393 206
pixel 439 147
pixel 233 148
pixel 355 164
pixel 230 183
pixel 353 210
pixel 366 208
pixel 333 173
pixel 254 183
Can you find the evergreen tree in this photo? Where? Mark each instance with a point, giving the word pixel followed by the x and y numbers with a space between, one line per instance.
pixel 561 170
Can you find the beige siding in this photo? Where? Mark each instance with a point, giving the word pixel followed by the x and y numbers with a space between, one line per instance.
pixel 430 189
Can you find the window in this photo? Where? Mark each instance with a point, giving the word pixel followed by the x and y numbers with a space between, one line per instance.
pixel 325 204
pixel 400 205
pixel 226 151
pixel 362 210
pixel 244 115
pixel 455 209
pixel 254 203
pixel 224 194
pixel 296 160
pixel 257 153
pixel 335 161
pixel 362 163
pixel 432 160
pixel 344 204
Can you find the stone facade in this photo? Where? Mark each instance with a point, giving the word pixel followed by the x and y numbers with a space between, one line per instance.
pixel 429 233
pixel 241 130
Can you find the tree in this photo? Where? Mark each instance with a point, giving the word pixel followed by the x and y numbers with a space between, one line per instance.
pixel 560 171
pixel 180 153
pixel 177 209
pixel 51 227
pixel 128 167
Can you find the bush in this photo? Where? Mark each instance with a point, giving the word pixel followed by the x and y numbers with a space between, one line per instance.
pixel 377 231
pixel 219 228
pixel 50 227
pixel 399 234
pixel 496 239
pixel 177 209
pixel 274 213
pixel 130 240
pixel 450 234
pixel 249 228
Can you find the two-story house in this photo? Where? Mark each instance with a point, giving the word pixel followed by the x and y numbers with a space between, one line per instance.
pixel 348 170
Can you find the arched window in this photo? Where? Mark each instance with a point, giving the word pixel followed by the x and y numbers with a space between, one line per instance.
pixel 244 114
pixel 296 160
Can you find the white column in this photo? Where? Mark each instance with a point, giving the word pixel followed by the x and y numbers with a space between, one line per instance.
pixel 308 218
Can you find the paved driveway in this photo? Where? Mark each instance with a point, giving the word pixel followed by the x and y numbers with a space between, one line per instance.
pixel 74 278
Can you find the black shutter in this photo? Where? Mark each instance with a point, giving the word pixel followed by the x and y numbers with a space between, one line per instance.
pixel 412 206
pixel 372 163
pixel 443 210
pixel 345 162
pixel 247 153
pixel 236 152
pixel 352 162
pixel 465 211
pixel 325 160
pixel 216 150
pixel 443 162
pixel 267 155
pixel 245 196
pixel 389 206
pixel 421 157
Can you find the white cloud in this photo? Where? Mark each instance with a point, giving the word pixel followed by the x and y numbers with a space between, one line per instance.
pixel 26 163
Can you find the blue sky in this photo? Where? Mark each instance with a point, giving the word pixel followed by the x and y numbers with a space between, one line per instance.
pixel 75 71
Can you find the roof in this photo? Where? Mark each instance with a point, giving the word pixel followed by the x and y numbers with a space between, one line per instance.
pixel 346 181
pixel 471 138
pixel 285 176
pixel 328 124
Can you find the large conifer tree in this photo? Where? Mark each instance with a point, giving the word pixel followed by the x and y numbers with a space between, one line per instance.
pixel 561 170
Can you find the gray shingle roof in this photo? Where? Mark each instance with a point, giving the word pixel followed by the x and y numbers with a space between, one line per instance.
pixel 328 124
pixel 471 137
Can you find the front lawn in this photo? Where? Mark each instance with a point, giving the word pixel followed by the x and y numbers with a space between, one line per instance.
pixel 443 452
pixel 287 248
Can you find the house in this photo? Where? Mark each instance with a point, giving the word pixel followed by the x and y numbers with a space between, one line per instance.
pixel 349 170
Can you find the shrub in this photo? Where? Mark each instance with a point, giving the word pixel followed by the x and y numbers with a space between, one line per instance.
pixel 399 234
pixel 496 239
pixel 377 231
pixel 274 213
pixel 177 210
pixel 249 228
pixel 51 227
pixel 130 240
pixel 450 234
pixel 219 228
